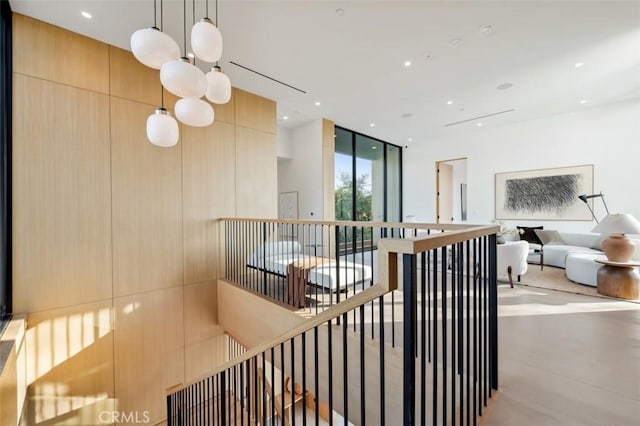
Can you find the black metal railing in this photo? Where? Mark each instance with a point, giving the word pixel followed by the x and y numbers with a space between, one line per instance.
pixel 307 376
pixel 450 322
pixel 309 265
pixel 446 345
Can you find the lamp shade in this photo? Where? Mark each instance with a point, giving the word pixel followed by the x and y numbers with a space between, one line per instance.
pixel 206 40
pixel 162 129
pixel 183 79
pixel 153 48
pixel 218 86
pixel 618 223
pixel 194 112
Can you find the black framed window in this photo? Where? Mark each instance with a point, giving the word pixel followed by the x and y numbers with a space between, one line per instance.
pixel 5 161
pixel 368 178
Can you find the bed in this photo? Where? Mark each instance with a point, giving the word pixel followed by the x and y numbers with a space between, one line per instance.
pixel 276 257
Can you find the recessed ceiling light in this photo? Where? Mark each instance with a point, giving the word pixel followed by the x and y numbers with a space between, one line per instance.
pixel 504 86
pixel 579 64
pixel 486 29
pixel 410 140
pixel 455 41
pixel 317 103
pixel 449 102
pixel 584 101
pixel 372 125
pixel 407 63
pixel 479 124
pixel 86 14
pixel 339 12
pixel 286 117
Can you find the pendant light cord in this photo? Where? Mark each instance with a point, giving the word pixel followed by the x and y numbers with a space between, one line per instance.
pixel 161 15
pixel 206 3
pixel 184 27
pixel 217 23
pixel 155 14
pixel 193 13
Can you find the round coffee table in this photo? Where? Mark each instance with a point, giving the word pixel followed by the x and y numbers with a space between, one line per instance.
pixel 619 279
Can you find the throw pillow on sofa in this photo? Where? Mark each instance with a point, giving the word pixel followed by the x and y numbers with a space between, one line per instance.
pixel 528 234
pixel 549 236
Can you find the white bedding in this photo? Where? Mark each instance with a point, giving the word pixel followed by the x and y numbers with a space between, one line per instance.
pixel 276 257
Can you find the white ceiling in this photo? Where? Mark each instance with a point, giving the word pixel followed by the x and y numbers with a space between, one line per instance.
pixel 353 63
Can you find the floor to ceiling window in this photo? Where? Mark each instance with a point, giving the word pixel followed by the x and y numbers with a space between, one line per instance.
pixel 368 178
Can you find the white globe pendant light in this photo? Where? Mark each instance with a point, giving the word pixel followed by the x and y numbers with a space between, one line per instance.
pixel 206 41
pixel 162 129
pixel 183 79
pixel 218 86
pixel 153 48
pixel 194 112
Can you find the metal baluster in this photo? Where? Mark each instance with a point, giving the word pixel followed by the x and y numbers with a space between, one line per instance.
pixel 409 326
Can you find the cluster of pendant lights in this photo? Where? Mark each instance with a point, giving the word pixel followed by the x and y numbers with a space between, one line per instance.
pixel 181 77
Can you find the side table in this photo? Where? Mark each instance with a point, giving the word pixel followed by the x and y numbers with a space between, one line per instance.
pixel 619 279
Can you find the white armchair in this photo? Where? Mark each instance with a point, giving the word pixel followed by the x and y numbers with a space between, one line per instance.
pixel 512 259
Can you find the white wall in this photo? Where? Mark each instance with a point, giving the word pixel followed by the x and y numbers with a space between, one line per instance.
pixel 302 171
pixel 607 137
pixel 283 140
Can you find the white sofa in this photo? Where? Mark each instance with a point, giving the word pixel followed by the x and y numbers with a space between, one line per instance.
pixel 556 254
pixel 577 255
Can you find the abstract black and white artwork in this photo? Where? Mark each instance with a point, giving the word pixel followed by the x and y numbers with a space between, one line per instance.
pixel 544 194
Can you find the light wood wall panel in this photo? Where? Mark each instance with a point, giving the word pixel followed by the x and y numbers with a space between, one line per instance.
pixel 226 113
pixel 61 196
pixel 255 112
pixel 328 173
pixel 70 364
pixel 256 174
pixel 202 357
pixel 208 160
pixel 201 313
pixel 147 205
pixel 251 319
pixel 148 350
pixel 113 237
pixel 203 337
pixel 132 80
pixel 51 53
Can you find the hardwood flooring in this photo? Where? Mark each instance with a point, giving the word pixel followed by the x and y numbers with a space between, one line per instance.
pixel 566 359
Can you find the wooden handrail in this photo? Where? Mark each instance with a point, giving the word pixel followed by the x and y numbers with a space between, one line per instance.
pixel 388 250
pixel 364 224
pixel 429 242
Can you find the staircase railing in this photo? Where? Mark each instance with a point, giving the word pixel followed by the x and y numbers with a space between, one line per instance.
pixel 310 266
pixel 327 368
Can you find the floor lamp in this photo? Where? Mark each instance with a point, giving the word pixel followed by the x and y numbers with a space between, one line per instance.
pixel 585 197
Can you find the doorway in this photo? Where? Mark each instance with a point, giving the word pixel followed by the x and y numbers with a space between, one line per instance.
pixel 451 191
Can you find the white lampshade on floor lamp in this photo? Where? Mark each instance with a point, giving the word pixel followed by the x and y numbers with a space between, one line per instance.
pixel 618 247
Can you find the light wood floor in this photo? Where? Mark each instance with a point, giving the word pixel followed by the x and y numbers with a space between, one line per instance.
pixel 567 359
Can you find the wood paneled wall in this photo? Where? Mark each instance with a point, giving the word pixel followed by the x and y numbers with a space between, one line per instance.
pixel 115 242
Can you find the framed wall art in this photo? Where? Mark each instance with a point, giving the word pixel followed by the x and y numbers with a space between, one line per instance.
pixel 543 194
pixel 288 205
